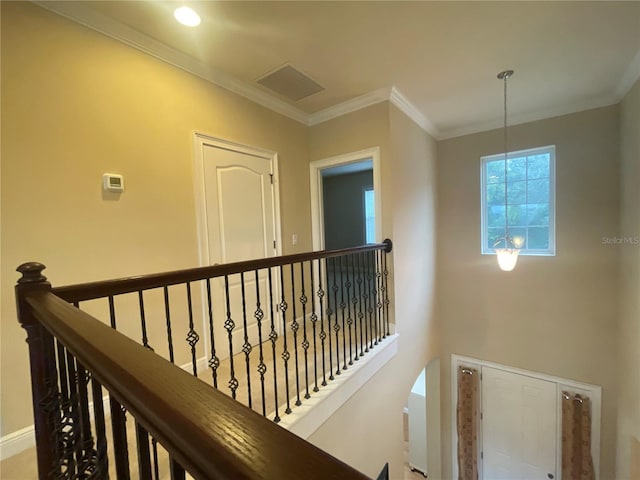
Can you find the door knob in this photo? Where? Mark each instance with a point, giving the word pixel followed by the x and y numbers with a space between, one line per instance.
pixel 550 475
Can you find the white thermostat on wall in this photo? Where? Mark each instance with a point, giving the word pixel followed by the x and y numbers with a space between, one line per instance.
pixel 112 182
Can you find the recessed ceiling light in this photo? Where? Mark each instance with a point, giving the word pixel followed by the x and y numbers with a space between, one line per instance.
pixel 187 16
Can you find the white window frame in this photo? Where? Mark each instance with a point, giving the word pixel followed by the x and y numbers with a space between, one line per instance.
pixel 551 150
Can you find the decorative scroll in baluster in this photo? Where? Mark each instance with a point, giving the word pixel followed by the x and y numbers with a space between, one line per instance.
pixel 323 334
pixel 262 367
pixel 305 340
pixel 295 326
pixel 229 325
pixel 360 300
pixel 246 346
pixel 273 338
pixel 214 361
pixel 285 353
pixel 192 337
pixel 314 321
pixel 167 314
pixel 65 427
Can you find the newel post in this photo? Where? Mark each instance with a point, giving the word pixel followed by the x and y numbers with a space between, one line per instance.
pixel 40 344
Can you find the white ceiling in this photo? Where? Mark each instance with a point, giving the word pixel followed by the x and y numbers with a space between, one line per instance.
pixel 436 60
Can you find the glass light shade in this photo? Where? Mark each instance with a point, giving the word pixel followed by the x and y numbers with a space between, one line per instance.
pixel 187 16
pixel 507 258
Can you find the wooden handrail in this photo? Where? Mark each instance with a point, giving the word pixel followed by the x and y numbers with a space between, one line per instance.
pixel 208 433
pixel 101 289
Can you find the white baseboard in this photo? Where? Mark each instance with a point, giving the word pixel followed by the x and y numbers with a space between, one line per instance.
pixel 17 441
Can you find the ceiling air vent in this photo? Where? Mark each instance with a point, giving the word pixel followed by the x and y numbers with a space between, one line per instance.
pixel 291 83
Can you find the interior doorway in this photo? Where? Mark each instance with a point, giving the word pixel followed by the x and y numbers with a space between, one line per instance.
pixel 352 192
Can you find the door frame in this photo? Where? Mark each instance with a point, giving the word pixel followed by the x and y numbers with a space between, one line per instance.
pixel 315 177
pixel 200 140
pixel 594 392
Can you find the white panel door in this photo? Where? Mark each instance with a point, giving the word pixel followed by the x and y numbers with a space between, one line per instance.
pixel 518 426
pixel 240 224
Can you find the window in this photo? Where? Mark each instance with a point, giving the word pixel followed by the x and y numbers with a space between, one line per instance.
pixel 369 215
pixel 530 204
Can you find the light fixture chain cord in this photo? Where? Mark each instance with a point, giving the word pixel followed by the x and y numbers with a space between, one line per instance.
pixel 506 208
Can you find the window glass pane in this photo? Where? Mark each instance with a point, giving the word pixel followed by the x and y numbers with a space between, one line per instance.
pixel 538 191
pixel 538 166
pixel 516 192
pixel 516 169
pixel 538 238
pixel 495 216
pixel 369 216
pixel 495 194
pixel 538 214
pixel 517 215
pixel 495 171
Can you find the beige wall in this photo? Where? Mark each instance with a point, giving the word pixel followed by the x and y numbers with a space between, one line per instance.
pixel 76 104
pixel 373 415
pixel 556 315
pixel 629 346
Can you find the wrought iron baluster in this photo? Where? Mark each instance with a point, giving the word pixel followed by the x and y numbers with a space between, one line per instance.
pixel 381 329
pixel 370 300
pixel 143 321
pixel 364 342
pixel 192 337
pixel 167 314
pixel 246 346
pixel 323 334
pixel 156 467
pixel 336 325
pixel 214 361
pixel 314 321
pixel 349 284
pixel 386 291
pixel 262 367
pixel 102 465
pixel 229 325
pixel 343 307
pixel 144 454
pixel 65 431
pixel 120 442
pixel 112 313
pixel 88 462
pixel 74 412
pixel 176 470
pixel 273 337
pixel 285 353
pixel 294 328
pixel 305 340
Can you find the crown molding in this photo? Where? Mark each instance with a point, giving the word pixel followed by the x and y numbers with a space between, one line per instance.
pixel 409 109
pixel 351 105
pixel 76 12
pixel 589 104
pixel 629 78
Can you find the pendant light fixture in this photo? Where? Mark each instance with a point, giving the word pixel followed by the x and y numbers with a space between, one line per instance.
pixel 508 254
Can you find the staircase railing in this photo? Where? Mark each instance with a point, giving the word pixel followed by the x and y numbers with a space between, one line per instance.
pixel 86 373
